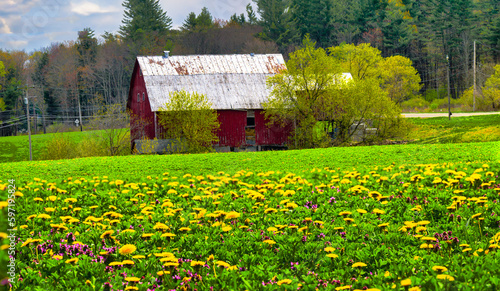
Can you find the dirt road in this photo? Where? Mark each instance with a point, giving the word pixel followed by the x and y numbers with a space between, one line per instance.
pixel 445 114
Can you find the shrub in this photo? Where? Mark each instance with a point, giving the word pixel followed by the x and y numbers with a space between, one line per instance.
pixel 414 104
pixel 60 147
pixel 90 147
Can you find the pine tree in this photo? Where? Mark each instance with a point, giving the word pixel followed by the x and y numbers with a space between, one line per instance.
pixel 315 18
pixel 143 17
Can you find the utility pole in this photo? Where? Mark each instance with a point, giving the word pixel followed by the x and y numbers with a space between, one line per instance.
pixel 80 113
pixel 448 74
pixel 26 99
pixel 474 90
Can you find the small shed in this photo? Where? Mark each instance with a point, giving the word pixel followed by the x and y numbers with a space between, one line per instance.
pixel 234 84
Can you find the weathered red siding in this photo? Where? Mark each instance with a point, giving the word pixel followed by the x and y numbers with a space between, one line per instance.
pixel 273 135
pixel 142 119
pixel 232 127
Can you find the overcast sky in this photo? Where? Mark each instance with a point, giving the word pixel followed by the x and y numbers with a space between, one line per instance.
pixel 34 24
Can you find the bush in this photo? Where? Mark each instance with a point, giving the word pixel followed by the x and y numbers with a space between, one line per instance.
pixel 90 147
pixel 415 104
pixel 60 147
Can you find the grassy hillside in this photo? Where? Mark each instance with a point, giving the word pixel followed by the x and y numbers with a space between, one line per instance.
pixel 293 161
pixel 458 129
pixel 424 131
pixel 384 217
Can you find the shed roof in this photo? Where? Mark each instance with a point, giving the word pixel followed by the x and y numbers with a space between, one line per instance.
pixel 228 81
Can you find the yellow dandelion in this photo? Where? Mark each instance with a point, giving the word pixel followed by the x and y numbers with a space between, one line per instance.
pixel 406 282
pixel 358 265
pixel 284 282
pixel 72 261
pixel 127 249
pixel 445 277
pixel 440 268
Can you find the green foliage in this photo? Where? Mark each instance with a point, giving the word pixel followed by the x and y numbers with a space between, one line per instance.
pixel 278 23
pixel 311 90
pixel 90 147
pixel 399 78
pixel 197 23
pixel 313 18
pixel 304 93
pixel 60 147
pixel 2 71
pixel 142 17
pixel 362 60
pixel 491 91
pixel 190 120
pixel 414 104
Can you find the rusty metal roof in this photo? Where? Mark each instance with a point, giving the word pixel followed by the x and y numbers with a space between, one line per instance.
pixel 228 81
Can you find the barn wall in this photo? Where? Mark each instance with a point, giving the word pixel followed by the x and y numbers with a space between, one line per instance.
pixel 232 127
pixel 142 119
pixel 273 135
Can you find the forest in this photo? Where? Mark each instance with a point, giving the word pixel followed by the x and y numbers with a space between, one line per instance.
pixel 79 76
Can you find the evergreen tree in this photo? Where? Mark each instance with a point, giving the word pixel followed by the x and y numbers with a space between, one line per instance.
pixel 314 17
pixel 143 17
pixel 278 23
pixel 200 22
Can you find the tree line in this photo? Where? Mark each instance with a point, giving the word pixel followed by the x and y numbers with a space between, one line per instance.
pixel 92 71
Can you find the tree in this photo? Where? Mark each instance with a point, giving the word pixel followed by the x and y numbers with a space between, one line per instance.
pixel 196 23
pixel 111 127
pixel 361 60
pixel 300 93
pixel 491 90
pixel 313 94
pixel 314 18
pixel 143 17
pixel 278 23
pixel 399 78
pixel 2 73
pixel 189 119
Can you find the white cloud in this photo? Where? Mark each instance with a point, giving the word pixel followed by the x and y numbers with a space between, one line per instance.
pixel 17 44
pixel 4 27
pixel 87 8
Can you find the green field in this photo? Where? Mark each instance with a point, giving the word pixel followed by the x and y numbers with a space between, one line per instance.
pixel 423 131
pixel 404 217
pixel 458 129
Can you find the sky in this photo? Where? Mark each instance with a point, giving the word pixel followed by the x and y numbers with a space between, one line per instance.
pixel 35 24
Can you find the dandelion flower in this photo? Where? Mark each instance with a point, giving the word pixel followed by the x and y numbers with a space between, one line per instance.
pixel 406 282
pixel 284 282
pixel 358 264
pixel 127 249
pixel 440 268
pixel 72 261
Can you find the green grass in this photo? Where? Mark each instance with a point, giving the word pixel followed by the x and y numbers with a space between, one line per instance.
pixel 425 131
pixel 293 161
pixel 458 129
pixel 16 148
pixel 239 209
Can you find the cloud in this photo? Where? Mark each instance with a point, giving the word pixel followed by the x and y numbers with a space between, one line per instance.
pixel 88 8
pixel 4 27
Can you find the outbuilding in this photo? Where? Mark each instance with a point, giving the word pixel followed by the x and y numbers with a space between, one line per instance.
pixel 234 84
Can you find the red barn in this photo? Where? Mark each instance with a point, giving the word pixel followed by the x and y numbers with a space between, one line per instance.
pixel 234 84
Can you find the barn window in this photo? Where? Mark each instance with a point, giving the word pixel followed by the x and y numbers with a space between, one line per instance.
pixel 143 96
pixel 250 119
pixel 138 97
